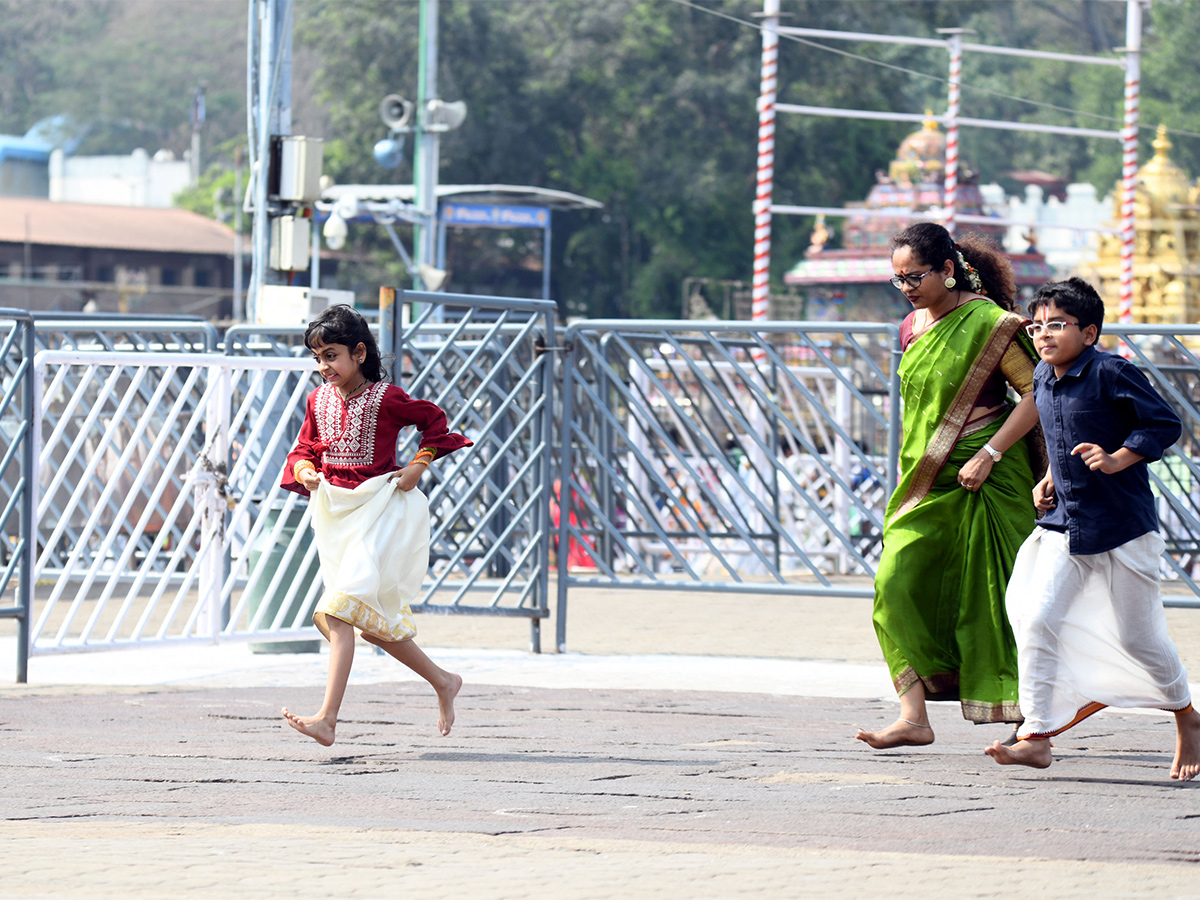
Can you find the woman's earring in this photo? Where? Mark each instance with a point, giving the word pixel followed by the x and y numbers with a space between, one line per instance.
pixel 950 283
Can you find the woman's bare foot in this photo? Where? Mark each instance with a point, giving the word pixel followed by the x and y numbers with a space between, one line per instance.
pixel 1186 765
pixel 446 697
pixel 901 733
pixel 314 726
pixel 1035 754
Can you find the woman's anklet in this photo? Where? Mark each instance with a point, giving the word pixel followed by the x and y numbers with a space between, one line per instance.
pixel 916 724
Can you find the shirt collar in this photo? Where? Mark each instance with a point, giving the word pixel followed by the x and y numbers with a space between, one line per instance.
pixel 1081 362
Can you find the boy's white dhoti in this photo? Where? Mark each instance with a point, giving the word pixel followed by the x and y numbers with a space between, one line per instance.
pixel 373 542
pixel 1090 632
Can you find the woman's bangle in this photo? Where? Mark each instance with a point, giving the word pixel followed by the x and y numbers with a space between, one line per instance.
pixel 301 466
pixel 420 462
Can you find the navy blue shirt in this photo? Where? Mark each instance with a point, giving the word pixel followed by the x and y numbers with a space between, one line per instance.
pixel 1106 400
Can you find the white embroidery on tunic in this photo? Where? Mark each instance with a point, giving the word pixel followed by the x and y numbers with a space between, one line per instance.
pixel 353 444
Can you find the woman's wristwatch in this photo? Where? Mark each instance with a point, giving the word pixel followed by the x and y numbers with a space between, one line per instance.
pixel 991 451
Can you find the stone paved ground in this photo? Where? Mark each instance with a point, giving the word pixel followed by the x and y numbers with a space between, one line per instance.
pixel 571 793
pixel 549 791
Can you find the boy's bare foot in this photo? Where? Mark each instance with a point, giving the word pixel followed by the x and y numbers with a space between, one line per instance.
pixel 314 726
pixel 1035 754
pixel 1186 765
pixel 901 733
pixel 446 697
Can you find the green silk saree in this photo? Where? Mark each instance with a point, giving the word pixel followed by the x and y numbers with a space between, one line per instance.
pixel 948 552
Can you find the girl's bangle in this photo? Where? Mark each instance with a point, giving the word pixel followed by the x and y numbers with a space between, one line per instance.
pixel 420 462
pixel 301 466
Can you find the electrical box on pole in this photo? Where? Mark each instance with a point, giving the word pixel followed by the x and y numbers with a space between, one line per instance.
pixel 291 237
pixel 295 169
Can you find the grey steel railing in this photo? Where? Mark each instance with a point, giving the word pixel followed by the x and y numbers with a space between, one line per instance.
pixel 18 473
pixel 161 514
pixel 727 456
pixel 686 455
pixel 706 453
pixel 1169 355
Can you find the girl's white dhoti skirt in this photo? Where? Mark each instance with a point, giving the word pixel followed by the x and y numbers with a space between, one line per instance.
pixel 1090 632
pixel 373 542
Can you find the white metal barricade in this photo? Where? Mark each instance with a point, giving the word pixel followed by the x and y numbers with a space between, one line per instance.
pixel 161 517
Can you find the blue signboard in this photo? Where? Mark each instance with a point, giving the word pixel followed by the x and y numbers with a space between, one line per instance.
pixel 482 215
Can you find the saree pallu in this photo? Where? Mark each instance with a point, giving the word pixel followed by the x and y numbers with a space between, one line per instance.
pixel 948 552
pixel 373 542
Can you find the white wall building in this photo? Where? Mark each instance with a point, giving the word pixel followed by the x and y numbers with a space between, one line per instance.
pixel 1065 247
pixel 135 180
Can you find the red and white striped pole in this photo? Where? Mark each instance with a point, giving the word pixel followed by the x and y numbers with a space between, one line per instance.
pixel 950 201
pixel 761 294
pixel 1129 167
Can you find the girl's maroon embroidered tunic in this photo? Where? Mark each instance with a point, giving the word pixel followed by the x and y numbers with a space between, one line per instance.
pixel 352 440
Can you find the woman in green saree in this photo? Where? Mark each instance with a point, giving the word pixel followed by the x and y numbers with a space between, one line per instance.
pixel 964 499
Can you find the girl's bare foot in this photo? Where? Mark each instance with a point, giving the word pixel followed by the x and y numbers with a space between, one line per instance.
pixel 446 697
pixel 1035 754
pixel 901 733
pixel 1186 765
pixel 313 726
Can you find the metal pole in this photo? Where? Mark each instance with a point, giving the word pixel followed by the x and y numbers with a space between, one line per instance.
pixel 566 463
pixel 314 257
pixel 274 105
pixel 950 202
pixel 262 142
pixel 425 168
pixel 1133 46
pixel 761 291
pixel 387 328
pixel 546 258
pixel 28 520
pixel 239 301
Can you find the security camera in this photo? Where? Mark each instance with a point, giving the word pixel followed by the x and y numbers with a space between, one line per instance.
pixel 396 112
pixel 335 232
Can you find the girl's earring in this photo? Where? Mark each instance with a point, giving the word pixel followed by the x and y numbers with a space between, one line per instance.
pixel 950 283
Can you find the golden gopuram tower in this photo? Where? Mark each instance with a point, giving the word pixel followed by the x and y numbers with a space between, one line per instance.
pixel 1166 262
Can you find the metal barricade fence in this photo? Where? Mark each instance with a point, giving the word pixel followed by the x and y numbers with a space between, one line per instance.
pixel 705 455
pixel 154 334
pixel 1169 355
pixel 17 475
pixel 160 513
pixel 56 331
pixel 690 455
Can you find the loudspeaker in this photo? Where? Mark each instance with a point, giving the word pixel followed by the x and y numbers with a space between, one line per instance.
pixel 395 111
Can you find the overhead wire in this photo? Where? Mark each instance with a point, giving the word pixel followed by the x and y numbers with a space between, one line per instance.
pixel 919 74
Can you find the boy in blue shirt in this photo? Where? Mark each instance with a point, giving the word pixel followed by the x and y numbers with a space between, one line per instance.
pixel 1084 598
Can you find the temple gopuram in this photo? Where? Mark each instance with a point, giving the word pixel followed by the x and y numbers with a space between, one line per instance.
pixel 852 283
pixel 1166 262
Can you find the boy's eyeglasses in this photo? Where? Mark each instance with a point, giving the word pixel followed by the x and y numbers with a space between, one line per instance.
pixel 913 281
pixel 1049 327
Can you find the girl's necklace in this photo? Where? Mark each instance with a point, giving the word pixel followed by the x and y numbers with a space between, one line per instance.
pixel 357 388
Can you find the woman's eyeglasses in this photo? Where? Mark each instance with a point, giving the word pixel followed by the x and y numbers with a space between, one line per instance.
pixel 1049 327
pixel 913 281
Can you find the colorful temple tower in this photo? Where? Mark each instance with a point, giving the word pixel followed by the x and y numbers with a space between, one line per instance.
pixel 1166 262
pixel 852 283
